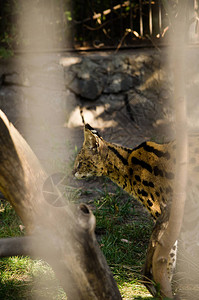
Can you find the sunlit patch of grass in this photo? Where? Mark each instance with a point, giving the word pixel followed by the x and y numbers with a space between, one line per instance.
pixel 134 290
pixel 22 277
pixel 14 279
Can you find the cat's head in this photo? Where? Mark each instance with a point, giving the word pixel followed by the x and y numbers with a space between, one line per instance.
pixel 90 160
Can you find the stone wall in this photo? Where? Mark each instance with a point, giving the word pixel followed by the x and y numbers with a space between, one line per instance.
pixel 133 83
pixel 130 87
pixel 96 80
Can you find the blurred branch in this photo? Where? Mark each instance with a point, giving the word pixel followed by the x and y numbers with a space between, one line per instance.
pixel 170 235
pixel 15 246
pixel 196 9
pixel 105 12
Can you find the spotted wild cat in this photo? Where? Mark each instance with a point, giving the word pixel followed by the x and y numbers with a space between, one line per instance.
pixel 145 172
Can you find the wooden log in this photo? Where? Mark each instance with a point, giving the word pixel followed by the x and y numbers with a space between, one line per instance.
pixel 63 236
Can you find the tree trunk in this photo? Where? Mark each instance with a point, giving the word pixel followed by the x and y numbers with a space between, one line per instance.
pixel 63 236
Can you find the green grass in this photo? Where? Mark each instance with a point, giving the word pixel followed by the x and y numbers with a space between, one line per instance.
pixel 123 237
pixel 9 222
pixel 122 231
pixel 22 277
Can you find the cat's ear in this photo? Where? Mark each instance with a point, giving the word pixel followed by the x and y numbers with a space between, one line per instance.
pixel 91 137
pixel 94 141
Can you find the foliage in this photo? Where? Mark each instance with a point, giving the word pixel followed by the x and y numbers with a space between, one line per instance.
pixel 82 22
pixel 85 23
pixel 5 53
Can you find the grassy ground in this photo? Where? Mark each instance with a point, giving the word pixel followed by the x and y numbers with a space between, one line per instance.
pixel 122 231
pixel 123 235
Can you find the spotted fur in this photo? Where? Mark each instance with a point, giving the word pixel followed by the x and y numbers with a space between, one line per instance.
pixel 145 172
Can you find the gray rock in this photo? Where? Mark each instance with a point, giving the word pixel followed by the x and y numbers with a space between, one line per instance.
pixel 128 82
pixel 69 76
pixel 111 102
pixel 89 88
pixel 17 78
pixel 120 82
pixel 114 84
pixel 12 103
